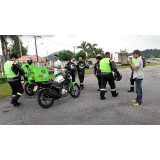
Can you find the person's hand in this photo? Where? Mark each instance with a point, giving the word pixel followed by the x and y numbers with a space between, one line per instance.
pixel 76 75
pixel 130 62
pixel 54 66
pixel 95 75
pixel 26 72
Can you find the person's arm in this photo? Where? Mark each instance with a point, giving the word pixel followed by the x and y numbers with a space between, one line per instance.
pixel 132 66
pixel 16 68
pixel 95 69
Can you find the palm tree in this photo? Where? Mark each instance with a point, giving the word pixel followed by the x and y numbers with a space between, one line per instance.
pixel 83 46
pixel 14 38
pixel 100 52
pixel 91 49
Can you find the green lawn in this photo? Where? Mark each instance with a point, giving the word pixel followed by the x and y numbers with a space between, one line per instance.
pixel 5 89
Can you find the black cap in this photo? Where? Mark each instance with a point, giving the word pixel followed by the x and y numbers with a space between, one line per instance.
pixel 136 52
pixel 13 55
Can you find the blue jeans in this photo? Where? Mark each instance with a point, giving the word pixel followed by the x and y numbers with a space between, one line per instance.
pixel 139 90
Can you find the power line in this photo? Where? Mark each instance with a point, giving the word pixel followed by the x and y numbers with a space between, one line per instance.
pixel 58 43
pixel 43 44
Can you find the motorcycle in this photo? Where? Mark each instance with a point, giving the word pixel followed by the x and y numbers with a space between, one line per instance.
pixel 59 88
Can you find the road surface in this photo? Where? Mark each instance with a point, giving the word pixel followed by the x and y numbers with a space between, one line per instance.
pixel 88 109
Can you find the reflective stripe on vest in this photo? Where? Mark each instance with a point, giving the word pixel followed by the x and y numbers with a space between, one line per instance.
pixel 8 71
pixel 105 65
pixel 133 61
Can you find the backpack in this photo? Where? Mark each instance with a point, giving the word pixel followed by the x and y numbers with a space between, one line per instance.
pixel 144 61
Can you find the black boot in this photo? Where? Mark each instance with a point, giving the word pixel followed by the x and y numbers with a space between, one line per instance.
pixel 98 89
pixel 102 95
pixel 102 98
pixel 114 93
pixel 131 89
pixel 15 100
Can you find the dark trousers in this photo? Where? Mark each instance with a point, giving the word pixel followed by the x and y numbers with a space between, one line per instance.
pixel 99 81
pixel 110 79
pixel 139 90
pixel 73 77
pixel 17 89
pixel 81 79
pixel 132 82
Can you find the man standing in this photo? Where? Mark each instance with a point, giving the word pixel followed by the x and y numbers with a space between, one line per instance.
pixel 12 71
pixel 56 65
pixel 97 72
pixel 138 76
pixel 106 67
pixel 81 65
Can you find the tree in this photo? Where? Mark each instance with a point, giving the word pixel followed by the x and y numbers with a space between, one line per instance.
pixel 80 54
pixel 99 51
pixel 16 49
pixel 4 43
pixel 91 48
pixel 66 55
pixel 83 46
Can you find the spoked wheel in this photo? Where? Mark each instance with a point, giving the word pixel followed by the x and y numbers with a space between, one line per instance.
pixel 44 100
pixel 75 91
pixel 29 89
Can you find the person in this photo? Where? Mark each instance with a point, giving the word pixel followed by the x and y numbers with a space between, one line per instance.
pixel 97 72
pixel 72 68
pixel 138 76
pixel 131 79
pixel 12 71
pixel 106 67
pixel 81 65
pixel 30 67
pixel 56 65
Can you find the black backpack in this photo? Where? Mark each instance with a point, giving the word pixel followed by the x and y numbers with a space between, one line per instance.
pixel 144 61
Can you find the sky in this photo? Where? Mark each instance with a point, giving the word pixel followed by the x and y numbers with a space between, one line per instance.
pixel 111 43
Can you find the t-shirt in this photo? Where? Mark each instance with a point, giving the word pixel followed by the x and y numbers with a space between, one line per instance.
pixel 56 70
pixel 138 74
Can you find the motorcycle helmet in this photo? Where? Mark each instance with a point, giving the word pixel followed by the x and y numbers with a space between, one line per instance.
pixel 117 77
pixel 29 60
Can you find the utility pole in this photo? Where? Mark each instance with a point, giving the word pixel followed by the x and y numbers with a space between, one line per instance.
pixel 36 37
pixel 74 50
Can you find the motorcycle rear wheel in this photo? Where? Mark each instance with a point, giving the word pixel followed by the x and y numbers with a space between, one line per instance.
pixel 42 100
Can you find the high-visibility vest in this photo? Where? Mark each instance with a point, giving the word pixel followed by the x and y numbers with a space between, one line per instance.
pixel 105 65
pixel 8 69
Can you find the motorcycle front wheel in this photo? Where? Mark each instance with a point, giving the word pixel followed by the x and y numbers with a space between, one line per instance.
pixel 44 100
pixel 75 91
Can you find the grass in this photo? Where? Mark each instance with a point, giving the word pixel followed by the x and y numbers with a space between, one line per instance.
pixel 5 89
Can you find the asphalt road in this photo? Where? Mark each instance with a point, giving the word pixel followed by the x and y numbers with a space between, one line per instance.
pixel 88 109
